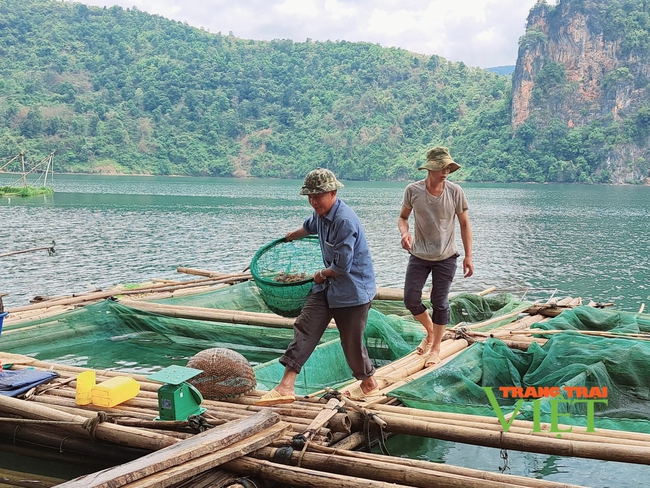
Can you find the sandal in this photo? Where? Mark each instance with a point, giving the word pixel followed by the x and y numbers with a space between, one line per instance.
pixel 432 359
pixel 423 346
pixel 356 393
pixel 274 398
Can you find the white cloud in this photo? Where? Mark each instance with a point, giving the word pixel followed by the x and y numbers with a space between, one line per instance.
pixel 299 8
pixel 481 33
pixel 339 10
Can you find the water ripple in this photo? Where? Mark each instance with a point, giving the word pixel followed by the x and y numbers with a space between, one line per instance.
pixel 583 241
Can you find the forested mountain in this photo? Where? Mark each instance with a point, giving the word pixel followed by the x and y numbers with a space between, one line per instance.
pixel 122 91
pixel 117 90
pixel 581 90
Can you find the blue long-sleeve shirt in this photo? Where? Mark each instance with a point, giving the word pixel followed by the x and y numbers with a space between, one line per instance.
pixel 345 250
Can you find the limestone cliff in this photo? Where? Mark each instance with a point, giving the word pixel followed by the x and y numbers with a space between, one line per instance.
pixel 579 63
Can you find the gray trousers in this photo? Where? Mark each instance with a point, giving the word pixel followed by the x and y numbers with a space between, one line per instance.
pixel 442 274
pixel 310 327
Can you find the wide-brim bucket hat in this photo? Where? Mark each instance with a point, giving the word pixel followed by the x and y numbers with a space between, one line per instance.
pixel 320 180
pixel 438 158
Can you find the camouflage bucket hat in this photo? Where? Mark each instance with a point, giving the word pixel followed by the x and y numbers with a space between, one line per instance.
pixel 438 158
pixel 320 180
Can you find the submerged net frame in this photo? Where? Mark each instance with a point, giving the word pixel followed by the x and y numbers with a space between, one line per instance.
pixel 283 271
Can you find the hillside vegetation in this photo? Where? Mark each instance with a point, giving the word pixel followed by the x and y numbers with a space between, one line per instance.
pixel 122 91
pixel 581 90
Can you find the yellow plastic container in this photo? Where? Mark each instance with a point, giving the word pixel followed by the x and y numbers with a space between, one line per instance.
pixel 85 383
pixel 114 391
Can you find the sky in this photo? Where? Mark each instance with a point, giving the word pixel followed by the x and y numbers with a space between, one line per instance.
pixel 482 33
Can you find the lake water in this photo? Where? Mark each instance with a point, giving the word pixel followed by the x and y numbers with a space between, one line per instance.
pixel 539 240
pixel 542 240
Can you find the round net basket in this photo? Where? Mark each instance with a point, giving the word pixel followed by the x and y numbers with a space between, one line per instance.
pixel 283 272
pixel 226 373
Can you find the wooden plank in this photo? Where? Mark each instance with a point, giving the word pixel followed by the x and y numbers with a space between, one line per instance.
pixel 332 408
pixel 185 471
pixel 179 453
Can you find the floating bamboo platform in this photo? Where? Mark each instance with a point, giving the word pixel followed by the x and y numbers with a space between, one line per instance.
pixel 314 441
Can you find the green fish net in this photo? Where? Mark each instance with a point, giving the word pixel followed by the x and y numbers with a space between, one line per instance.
pixel 283 272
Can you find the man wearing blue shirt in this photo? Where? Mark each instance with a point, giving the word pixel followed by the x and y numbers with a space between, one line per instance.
pixel 342 291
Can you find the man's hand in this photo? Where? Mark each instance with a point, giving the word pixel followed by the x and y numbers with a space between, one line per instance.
pixel 407 241
pixel 295 234
pixel 468 267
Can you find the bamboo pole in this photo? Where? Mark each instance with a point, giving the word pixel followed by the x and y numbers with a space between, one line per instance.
pixel 491 321
pixel 448 351
pixel 596 333
pixel 576 433
pixel 50 249
pixel 521 442
pixel 487 291
pixel 299 416
pixel 442 417
pixel 353 441
pixel 381 470
pixel 65 443
pixel 470 473
pixel 397 294
pixel 522 345
pixel 138 405
pixel 14 319
pixel 200 272
pixel 212 314
pixel 406 369
pixel 300 477
pixel 521 324
pixel 302 408
pixel 107 432
pixel 100 295
pixel 181 292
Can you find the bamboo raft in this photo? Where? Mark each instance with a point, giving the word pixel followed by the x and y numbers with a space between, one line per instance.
pixel 314 441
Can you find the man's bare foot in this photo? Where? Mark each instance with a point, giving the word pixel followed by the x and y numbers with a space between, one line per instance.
pixel 369 384
pixel 284 391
